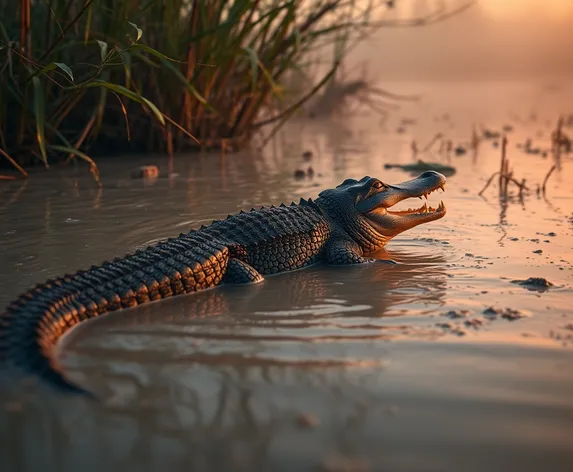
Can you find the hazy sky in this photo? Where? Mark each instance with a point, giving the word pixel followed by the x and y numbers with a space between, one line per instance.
pixel 555 10
pixel 493 39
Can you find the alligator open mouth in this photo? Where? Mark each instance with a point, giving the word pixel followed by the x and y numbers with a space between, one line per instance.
pixel 440 210
pixel 389 219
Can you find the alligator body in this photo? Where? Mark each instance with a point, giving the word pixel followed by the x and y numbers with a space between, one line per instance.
pixel 342 226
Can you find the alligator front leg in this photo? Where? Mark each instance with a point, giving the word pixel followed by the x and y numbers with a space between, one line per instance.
pixel 343 251
pixel 239 272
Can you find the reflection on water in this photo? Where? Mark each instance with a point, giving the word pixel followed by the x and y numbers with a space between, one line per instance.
pixel 218 380
pixel 304 319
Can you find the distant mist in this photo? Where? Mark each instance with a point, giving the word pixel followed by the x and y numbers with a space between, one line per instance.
pixel 470 46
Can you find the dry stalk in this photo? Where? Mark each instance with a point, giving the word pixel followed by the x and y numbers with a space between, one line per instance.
pixel 432 141
pixel 505 175
pixel 547 178
pixel 521 188
pixel 502 166
pixel 488 183
pixel 14 163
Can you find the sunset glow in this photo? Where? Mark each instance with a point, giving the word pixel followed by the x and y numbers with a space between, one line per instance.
pixel 559 10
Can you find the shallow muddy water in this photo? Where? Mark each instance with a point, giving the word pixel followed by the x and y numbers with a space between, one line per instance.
pixel 325 367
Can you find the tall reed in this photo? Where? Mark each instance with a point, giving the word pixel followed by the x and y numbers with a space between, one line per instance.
pixel 155 75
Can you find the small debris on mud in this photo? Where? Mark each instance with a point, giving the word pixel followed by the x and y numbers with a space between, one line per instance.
pixel 528 335
pixel 145 172
pixel 452 328
pixel 507 313
pixel 492 312
pixel 445 325
pixel 475 323
pixel 307 155
pixel 568 326
pixel 538 251
pixel 307 420
pixel 490 134
pixel 539 282
pixel 338 463
pixel 511 315
pixel 301 174
pixel 453 314
pixel 564 339
pixel 408 121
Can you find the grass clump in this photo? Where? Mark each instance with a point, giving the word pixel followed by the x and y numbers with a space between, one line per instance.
pixel 90 76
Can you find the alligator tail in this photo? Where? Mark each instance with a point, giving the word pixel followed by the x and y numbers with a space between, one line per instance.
pixel 32 324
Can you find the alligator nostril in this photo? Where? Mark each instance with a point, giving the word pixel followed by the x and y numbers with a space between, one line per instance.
pixel 429 173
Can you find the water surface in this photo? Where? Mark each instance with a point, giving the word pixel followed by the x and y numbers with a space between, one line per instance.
pixel 324 367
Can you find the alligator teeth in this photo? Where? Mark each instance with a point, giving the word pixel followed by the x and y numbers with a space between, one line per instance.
pixel 441 206
pixel 431 209
pixel 424 209
pixel 443 187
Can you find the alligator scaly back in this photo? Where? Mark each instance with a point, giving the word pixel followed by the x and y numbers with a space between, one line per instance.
pixel 33 323
pixel 341 227
pixel 239 249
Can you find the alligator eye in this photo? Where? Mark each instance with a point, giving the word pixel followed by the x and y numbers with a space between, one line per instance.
pixel 378 185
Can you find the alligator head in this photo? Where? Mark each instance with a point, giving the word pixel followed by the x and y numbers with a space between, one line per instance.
pixel 362 208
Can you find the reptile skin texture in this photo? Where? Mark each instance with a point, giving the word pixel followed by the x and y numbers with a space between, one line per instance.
pixel 238 250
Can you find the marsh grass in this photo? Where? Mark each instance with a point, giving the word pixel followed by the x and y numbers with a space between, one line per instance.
pixel 156 75
pixel 86 77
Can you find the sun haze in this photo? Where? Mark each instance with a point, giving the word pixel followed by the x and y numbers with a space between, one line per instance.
pixel 557 10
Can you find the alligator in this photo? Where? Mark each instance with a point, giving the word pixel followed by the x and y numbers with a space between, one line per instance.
pixel 344 225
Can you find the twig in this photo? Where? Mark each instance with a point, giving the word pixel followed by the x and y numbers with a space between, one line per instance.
pixel 547 178
pixel 51 47
pixel 521 184
pixel 508 177
pixel 502 167
pixel 432 141
pixel 521 188
pixel 488 182
pixel 84 134
pixel 14 163
pixel 439 15
pixel 180 128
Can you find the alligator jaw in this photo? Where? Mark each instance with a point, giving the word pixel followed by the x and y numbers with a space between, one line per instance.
pixel 428 212
pixel 392 222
